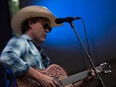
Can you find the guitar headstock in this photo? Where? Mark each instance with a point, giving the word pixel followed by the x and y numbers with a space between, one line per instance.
pixel 104 68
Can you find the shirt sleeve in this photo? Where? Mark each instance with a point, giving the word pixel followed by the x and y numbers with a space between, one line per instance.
pixel 11 54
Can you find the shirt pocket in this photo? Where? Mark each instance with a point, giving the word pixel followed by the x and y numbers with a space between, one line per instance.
pixel 32 57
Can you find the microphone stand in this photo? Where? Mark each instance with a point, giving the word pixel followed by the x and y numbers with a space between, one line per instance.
pixel 100 82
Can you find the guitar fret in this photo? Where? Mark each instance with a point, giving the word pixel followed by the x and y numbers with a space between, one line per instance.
pixel 74 78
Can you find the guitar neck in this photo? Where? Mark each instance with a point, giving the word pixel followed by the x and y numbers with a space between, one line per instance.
pixel 75 78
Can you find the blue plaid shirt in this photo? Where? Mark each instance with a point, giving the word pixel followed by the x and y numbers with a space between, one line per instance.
pixel 21 53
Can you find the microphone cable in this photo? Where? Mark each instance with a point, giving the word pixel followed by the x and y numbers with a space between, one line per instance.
pixel 86 36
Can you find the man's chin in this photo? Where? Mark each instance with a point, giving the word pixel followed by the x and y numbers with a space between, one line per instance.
pixel 43 40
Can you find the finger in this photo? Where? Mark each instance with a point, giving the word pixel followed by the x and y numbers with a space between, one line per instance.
pixel 55 82
pixel 92 72
pixel 50 85
pixel 53 85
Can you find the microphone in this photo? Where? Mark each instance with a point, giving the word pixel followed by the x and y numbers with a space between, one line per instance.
pixel 67 19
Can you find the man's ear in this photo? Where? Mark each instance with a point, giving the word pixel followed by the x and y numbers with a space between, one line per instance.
pixel 30 25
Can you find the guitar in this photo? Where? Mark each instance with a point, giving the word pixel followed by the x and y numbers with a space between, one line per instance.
pixel 60 75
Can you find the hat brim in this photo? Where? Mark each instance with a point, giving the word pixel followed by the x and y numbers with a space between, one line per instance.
pixel 31 11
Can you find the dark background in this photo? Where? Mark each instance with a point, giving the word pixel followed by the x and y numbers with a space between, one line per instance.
pixel 71 58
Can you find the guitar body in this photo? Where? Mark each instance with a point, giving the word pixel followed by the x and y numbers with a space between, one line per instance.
pixel 53 70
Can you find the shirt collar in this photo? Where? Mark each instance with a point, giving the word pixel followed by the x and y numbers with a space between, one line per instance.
pixel 26 36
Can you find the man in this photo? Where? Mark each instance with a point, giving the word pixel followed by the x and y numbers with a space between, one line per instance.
pixel 22 56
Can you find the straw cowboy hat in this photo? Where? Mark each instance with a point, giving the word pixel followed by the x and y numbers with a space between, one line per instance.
pixel 31 11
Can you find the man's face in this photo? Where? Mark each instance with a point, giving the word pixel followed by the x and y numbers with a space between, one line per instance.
pixel 39 31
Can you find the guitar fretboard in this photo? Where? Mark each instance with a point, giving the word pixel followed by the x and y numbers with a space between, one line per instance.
pixel 73 78
pixel 76 77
